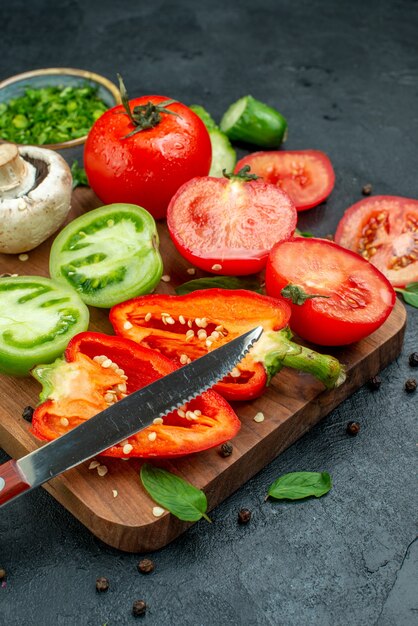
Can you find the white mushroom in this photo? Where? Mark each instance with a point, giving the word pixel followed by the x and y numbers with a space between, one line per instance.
pixel 35 196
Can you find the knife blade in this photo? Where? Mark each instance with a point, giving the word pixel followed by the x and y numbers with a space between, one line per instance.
pixel 123 419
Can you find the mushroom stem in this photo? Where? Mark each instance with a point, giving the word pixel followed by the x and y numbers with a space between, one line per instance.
pixel 13 168
pixel 17 175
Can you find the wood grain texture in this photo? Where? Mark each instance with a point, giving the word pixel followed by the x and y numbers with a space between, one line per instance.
pixel 291 405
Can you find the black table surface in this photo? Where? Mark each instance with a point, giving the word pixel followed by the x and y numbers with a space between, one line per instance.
pixel 345 75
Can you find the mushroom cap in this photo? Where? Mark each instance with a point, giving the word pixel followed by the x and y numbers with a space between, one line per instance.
pixel 28 220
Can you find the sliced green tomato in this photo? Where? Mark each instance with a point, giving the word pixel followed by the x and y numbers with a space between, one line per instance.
pixel 254 122
pixel 38 317
pixel 224 156
pixel 108 255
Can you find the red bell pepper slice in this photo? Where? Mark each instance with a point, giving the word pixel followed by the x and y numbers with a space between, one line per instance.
pixel 186 327
pixel 83 384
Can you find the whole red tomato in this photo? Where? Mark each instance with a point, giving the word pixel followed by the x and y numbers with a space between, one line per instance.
pixel 144 153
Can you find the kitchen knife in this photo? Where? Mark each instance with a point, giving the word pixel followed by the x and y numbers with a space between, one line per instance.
pixel 123 419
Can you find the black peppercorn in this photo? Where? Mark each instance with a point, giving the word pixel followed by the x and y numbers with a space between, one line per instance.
pixel 226 449
pixel 367 189
pixel 353 428
pixel 102 584
pixel 410 385
pixel 145 566
pixel 375 382
pixel 27 413
pixel 3 574
pixel 139 607
pixel 244 516
pixel 413 359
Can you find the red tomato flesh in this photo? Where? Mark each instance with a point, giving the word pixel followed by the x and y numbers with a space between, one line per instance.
pixel 384 230
pixel 358 297
pixel 229 226
pixel 148 167
pixel 307 176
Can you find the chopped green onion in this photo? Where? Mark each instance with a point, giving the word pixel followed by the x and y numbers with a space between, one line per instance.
pixel 50 115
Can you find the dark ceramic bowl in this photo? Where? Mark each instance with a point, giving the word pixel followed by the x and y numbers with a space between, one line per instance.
pixel 15 86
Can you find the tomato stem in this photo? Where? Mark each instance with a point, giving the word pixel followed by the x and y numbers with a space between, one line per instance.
pixel 243 174
pixel 298 295
pixel 276 350
pixel 143 116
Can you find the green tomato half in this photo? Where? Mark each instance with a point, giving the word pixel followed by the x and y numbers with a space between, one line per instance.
pixel 38 317
pixel 108 255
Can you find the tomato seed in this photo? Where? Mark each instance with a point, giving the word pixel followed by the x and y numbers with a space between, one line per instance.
pixel 158 511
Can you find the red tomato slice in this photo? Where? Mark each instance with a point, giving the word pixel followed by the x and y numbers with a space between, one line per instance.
pixel 229 226
pixel 358 297
pixel 384 230
pixel 307 176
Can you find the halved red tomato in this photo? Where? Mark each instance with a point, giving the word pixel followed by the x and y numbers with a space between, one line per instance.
pixel 384 230
pixel 228 226
pixel 307 176
pixel 343 297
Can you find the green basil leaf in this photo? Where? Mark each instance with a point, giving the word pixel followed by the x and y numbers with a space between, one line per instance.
pixel 306 233
pixel 220 282
pixel 411 298
pixel 174 494
pixel 79 175
pixel 298 485
pixel 410 294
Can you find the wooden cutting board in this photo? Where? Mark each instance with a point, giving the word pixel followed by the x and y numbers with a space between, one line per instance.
pixel 291 405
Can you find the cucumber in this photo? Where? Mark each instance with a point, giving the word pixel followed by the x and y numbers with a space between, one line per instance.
pixel 206 117
pixel 254 122
pixel 223 154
